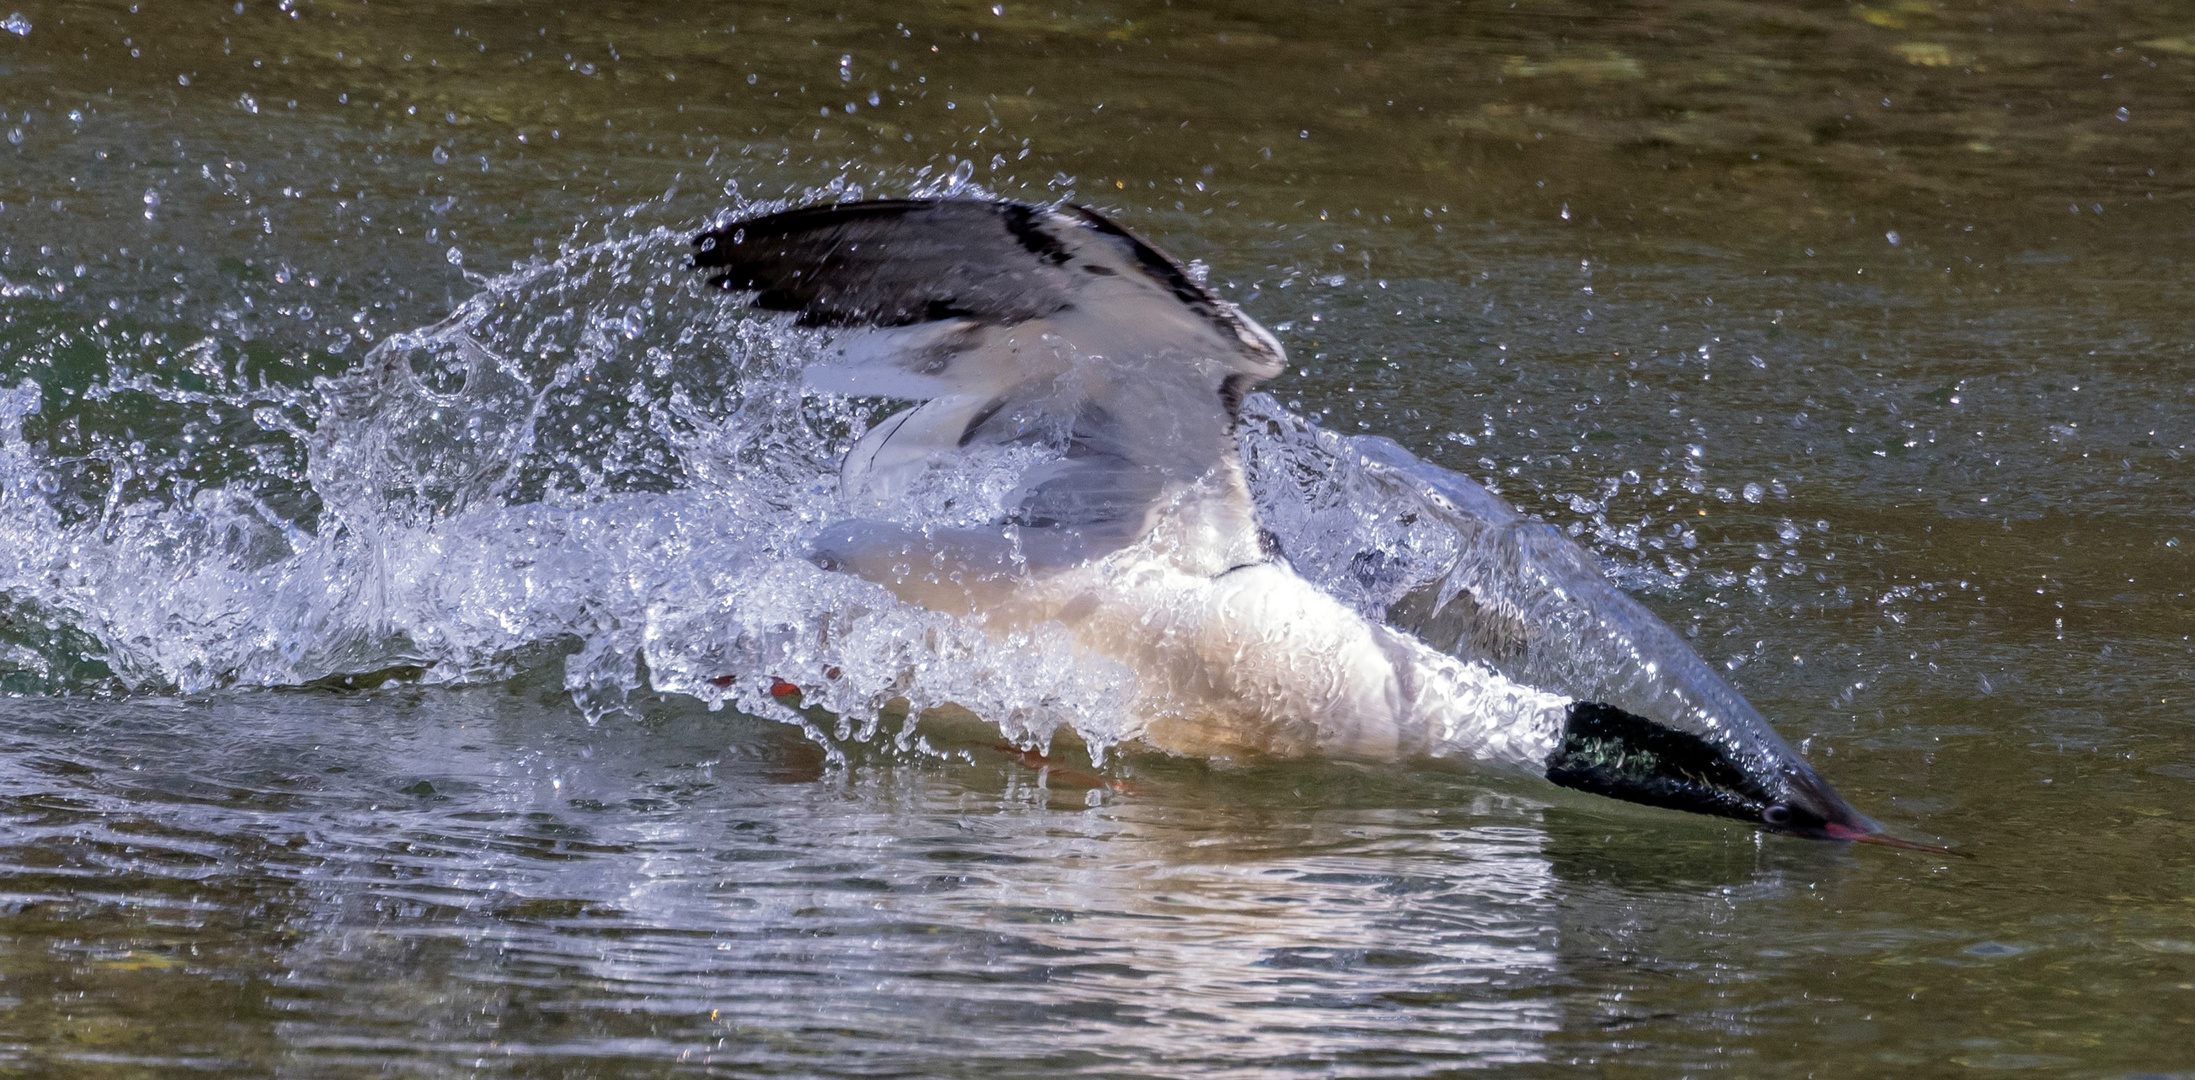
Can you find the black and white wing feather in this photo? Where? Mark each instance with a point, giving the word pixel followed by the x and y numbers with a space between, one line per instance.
pixel 1017 324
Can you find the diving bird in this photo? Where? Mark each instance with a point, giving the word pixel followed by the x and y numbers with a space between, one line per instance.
pixel 1071 457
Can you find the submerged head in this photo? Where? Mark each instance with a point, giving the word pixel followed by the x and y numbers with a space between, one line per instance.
pixel 1608 751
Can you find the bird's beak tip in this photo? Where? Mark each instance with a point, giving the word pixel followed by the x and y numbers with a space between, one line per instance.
pixel 1873 833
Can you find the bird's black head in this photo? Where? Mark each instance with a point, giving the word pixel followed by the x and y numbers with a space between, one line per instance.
pixel 1608 751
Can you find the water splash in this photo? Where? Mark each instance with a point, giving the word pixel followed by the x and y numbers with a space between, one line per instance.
pixel 1430 552
pixel 598 472
pixel 590 460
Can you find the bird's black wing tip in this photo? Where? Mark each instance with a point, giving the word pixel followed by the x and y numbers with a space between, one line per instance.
pixel 826 214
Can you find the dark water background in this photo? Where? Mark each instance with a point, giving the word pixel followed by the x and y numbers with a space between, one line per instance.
pixel 1885 306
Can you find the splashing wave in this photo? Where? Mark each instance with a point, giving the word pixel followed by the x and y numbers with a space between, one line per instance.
pixel 595 469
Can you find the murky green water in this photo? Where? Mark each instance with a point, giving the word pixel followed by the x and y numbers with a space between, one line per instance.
pixel 1886 307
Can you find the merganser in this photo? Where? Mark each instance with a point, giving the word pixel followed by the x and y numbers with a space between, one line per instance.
pixel 1083 389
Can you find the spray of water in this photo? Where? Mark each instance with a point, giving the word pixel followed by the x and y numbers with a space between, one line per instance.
pixel 589 460
pixel 599 472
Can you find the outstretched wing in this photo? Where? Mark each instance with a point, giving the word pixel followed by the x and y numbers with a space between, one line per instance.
pixel 1018 325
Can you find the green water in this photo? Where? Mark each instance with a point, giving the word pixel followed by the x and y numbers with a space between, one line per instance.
pixel 1885 305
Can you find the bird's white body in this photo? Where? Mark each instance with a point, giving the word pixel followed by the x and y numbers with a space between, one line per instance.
pixel 1235 655
pixel 1258 661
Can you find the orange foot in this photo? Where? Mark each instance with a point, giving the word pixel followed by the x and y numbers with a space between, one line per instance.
pixel 778 687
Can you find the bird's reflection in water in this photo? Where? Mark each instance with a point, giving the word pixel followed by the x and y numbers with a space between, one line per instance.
pixel 436 877
pixel 1660 913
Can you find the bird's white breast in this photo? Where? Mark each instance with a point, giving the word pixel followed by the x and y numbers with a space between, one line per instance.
pixel 1257 661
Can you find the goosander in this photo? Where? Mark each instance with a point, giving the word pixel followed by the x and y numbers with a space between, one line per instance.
pixel 1083 390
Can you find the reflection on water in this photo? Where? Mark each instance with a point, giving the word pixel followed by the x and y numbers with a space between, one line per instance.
pixel 445 882
pixel 437 879
pixel 1847 335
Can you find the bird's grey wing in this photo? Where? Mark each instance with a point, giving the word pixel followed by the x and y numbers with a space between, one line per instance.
pixel 1015 325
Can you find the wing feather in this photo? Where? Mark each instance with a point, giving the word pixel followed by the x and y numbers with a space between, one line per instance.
pixel 1018 325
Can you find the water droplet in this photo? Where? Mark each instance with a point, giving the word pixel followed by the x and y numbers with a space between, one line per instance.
pixel 248 103
pixel 962 173
pixel 2122 114
pixel 1892 236
pixel 1752 493
pixel 16 24
pixel 441 156
pixel 455 255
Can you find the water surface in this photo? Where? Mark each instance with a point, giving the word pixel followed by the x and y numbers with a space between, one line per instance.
pixel 1853 339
